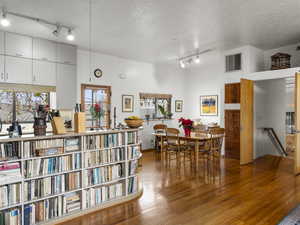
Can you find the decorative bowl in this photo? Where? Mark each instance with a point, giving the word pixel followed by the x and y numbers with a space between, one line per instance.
pixel 134 123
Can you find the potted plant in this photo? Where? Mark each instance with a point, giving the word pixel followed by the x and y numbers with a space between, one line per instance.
pixel 187 125
pixel 165 113
pixel 97 113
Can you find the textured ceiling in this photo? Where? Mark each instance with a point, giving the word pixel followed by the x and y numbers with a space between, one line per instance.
pixel 160 30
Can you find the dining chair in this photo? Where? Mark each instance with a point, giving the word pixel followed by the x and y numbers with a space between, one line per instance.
pixel 173 144
pixel 217 136
pixel 158 128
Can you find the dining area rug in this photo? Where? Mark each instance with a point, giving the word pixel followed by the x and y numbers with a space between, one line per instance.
pixel 293 218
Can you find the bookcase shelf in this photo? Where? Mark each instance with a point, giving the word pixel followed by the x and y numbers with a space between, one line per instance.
pixel 56 196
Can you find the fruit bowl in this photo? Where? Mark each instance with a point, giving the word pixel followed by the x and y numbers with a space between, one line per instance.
pixel 134 122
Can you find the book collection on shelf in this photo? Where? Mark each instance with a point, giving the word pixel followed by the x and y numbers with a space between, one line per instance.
pixel 65 175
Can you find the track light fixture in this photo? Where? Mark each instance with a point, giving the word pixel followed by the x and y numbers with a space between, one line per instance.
pixel 190 59
pixel 4 21
pixel 58 27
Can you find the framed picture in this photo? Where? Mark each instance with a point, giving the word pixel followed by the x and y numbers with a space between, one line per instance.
pixel 209 105
pixel 127 103
pixel 178 105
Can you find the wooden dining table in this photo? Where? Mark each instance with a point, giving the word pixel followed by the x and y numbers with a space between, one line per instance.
pixel 197 139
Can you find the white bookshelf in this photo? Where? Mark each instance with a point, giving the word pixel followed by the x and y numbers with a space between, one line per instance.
pixel 84 186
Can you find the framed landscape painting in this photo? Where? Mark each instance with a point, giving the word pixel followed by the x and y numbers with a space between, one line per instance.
pixel 127 103
pixel 209 105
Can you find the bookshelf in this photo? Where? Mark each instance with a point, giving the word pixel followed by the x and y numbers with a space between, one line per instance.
pixel 48 179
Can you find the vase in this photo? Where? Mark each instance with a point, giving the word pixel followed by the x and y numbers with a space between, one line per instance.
pixel 187 132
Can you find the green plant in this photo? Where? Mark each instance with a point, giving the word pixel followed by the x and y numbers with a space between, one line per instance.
pixel 164 112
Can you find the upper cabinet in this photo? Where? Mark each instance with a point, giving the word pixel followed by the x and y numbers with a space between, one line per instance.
pixel 18 70
pixel 232 93
pixel 18 45
pixel 1 42
pixel 44 50
pixel 44 73
pixel 67 54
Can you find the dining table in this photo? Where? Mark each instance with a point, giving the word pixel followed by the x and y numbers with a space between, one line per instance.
pixel 196 138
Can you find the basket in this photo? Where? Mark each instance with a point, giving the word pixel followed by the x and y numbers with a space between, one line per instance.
pixel 134 123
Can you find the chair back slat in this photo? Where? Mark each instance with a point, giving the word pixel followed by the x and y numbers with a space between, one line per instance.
pixel 159 128
pixel 172 136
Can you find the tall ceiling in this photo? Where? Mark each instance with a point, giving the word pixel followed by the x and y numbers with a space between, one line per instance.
pixel 160 30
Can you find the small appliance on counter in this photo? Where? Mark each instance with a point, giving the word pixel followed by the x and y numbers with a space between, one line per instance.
pixel 14 130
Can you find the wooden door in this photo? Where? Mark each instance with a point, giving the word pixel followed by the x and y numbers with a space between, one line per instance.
pixel 246 110
pixel 232 131
pixel 232 93
pixel 297 124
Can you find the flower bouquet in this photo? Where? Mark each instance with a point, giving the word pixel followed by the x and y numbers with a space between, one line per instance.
pixel 187 125
pixel 97 113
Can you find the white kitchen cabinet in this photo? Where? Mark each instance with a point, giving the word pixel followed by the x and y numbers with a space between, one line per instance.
pixel 1 42
pixel 66 86
pixel 18 70
pixel 18 45
pixel 44 50
pixel 44 73
pixel 2 75
pixel 67 54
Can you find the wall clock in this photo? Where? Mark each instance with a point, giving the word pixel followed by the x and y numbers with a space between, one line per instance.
pixel 98 73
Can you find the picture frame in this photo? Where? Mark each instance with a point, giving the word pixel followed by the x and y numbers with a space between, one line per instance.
pixel 209 105
pixel 178 105
pixel 127 103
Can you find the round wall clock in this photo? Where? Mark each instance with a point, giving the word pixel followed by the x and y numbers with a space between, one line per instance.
pixel 98 73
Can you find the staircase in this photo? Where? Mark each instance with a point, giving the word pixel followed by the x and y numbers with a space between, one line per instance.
pixel 275 140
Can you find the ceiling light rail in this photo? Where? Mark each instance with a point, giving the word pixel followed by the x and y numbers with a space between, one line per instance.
pixel 58 26
pixel 193 58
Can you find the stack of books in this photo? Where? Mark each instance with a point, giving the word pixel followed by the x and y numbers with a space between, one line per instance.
pixel 45 166
pixel 105 141
pixel 39 188
pixel 133 152
pixel 10 194
pixel 132 185
pixel 43 147
pixel 132 138
pixel 10 151
pixel 98 195
pixel 103 174
pixel 104 156
pixel 10 217
pixel 10 173
pixel 132 167
pixel 71 202
pixel 72 144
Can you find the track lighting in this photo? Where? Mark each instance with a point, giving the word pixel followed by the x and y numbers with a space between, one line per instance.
pixel 193 58
pixel 4 21
pixel 182 64
pixel 56 32
pixel 70 36
pixel 197 59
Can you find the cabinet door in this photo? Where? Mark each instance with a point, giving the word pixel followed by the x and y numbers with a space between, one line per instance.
pixel 67 54
pixel 44 50
pixel 232 93
pixel 44 73
pixel 1 42
pixel 232 130
pixel 66 86
pixel 2 75
pixel 18 70
pixel 18 45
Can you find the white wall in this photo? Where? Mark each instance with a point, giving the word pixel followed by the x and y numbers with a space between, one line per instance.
pixel 141 77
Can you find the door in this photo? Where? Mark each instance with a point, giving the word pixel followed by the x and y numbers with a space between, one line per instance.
pixel 297 124
pixel 66 54
pixel 18 70
pixel 44 73
pixel 2 76
pixel 232 131
pixel 246 125
pixel 66 86
pixel 18 45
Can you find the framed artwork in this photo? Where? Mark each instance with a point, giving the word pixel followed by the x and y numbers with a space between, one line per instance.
pixel 127 103
pixel 209 105
pixel 178 105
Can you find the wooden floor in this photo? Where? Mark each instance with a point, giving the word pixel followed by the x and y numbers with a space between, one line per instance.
pixel 259 194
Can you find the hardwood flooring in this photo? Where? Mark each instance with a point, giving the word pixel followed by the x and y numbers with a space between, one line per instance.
pixel 261 193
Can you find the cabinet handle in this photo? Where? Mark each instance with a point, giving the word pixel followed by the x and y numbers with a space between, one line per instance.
pixel 18 54
pixel 6 76
pixel 33 78
pixel 2 76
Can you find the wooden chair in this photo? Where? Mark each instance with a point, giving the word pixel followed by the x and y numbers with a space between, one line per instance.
pixel 173 145
pixel 159 128
pixel 217 137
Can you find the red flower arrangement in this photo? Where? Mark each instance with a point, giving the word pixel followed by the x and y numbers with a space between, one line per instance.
pixel 187 125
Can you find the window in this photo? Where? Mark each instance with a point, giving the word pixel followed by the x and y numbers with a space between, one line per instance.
pixel 150 103
pixel 92 95
pixel 233 62
pixel 20 105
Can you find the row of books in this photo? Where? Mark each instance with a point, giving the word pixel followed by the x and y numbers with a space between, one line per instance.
pixel 132 138
pixel 35 189
pixel 10 151
pixel 72 144
pixel 132 167
pixel 10 173
pixel 11 217
pixel 45 166
pixel 105 141
pixel 133 152
pixel 132 185
pixel 10 194
pixel 104 156
pixel 103 174
pixel 51 208
pixel 98 195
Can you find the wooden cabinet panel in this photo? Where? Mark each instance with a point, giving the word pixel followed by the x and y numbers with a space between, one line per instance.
pixel 18 45
pixel 232 93
pixel 232 130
